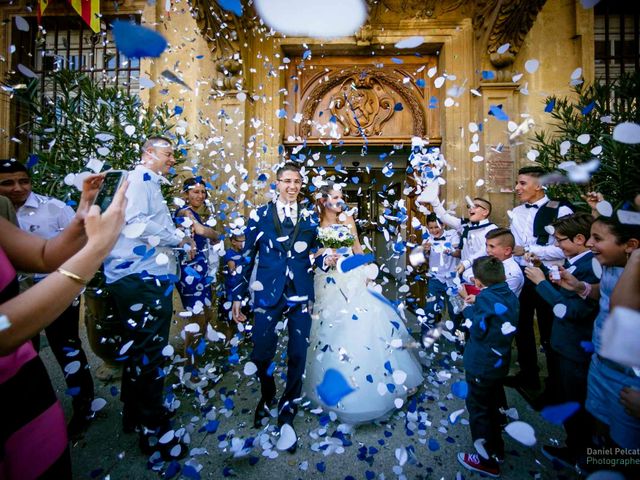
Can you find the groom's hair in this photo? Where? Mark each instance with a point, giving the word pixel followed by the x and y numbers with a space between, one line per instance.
pixel 287 167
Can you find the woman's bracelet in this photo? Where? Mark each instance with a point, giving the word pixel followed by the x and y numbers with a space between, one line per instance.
pixel 73 276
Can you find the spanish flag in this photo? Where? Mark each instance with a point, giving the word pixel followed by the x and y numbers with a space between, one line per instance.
pixel 89 10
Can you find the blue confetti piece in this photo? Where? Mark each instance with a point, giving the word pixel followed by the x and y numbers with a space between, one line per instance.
pixel 398 107
pixel 354 317
pixel 306 54
pixel 271 368
pixel 550 104
pixel 397 61
pixel 369 378
pixel 496 111
pixel 333 388
pixel 369 475
pixel 145 360
pixel 391 387
pixel 434 445
pixel 282 113
pixel 500 309
pixel 228 403
pixel 114 391
pixel 557 414
pixel 420 82
pixel 587 109
pixel 191 472
pixel 73 391
pixel 321 467
pixel 227 472
pixel 488 74
pixel 136 41
pixel 177 110
pixel 387 367
pixel 587 346
pixel 460 389
pixel 355 261
pixel 234 359
pixel 172 470
pixel 498 363
pixel 32 160
pixel 233 6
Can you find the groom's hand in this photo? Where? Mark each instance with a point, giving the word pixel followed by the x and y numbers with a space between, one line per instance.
pixel 236 312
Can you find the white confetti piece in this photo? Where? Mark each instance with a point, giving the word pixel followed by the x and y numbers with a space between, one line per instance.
pixel 399 377
pixel 479 446
pixel 398 402
pixel 597 268
pixel 130 130
pixel 300 246
pixel 604 208
pixel 250 368
pixel 449 102
pixel 4 322
pixel 564 147
pixel 98 404
pixel 136 307
pixel 432 71
pixel 576 74
pixel 287 437
pixel 72 367
pixel 27 72
pixel 146 82
pixel 401 455
pixel 584 139
pixel 162 259
pixel 522 432
pixel 453 416
pixel 439 82
pixel 503 48
pixel 480 182
pixel 532 65
pixel 257 286
pixel 326 19
pixel 627 132
pixel 167 437
pixel 507 328
pixel 410 42
pixel 168 351
pixel 126 347
pixel 560 310
pixel 192 328
pixel 21 23
pixel 133 230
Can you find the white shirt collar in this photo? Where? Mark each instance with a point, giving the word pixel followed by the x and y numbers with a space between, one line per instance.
pixel 541 202
pixel 31 201
pixel 573 260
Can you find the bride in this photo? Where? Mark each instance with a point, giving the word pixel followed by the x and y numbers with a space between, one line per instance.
pixel 356 332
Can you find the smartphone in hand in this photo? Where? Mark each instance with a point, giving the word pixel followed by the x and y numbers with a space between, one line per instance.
pixel 112 181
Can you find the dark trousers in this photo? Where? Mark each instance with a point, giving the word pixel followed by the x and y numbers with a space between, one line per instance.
pixel 64 339
pixel 145 307
pixel 531 303
pixel 265 340
pixel 438 299
pixel 570 385
pixel 484 400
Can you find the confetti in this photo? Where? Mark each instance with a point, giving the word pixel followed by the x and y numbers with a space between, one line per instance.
pixel 410 42
pixel 522 432
pixel 557 414
pixel 627 132
pixel 333 388
pixel 136 41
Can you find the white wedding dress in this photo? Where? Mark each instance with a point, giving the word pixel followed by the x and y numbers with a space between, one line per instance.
pixel 361 336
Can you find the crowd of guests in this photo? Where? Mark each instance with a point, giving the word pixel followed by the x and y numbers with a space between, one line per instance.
pixel 564 269
pixel 560 268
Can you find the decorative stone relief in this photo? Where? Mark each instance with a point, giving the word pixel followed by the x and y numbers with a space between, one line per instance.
pixel 500 22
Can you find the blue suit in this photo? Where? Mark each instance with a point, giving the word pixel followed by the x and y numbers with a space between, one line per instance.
pixel 283 286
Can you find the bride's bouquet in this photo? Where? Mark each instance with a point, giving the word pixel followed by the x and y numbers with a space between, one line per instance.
pixel 336 236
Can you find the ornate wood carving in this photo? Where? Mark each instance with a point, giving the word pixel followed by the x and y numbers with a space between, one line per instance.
pixel 498 22
pixel 366 96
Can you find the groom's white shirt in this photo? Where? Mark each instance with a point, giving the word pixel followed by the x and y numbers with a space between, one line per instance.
pixel 287 210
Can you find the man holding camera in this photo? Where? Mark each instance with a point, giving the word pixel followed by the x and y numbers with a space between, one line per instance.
pixel 140 272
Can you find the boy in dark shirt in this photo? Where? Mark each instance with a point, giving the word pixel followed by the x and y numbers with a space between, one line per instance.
pixel 493 317
pixel 571 333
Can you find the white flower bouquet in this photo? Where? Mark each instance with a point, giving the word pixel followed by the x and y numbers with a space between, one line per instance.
pixel 336 236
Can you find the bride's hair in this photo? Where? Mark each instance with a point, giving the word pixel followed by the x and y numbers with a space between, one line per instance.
pixel 323 194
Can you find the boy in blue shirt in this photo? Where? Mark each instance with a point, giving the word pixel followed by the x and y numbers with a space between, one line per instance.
pixel 493 316
pixel 571 334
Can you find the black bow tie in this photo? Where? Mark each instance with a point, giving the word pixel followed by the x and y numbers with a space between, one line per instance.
pixel 438 239
pixel 530 205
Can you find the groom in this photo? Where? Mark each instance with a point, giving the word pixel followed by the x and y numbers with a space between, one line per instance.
pixel 282 238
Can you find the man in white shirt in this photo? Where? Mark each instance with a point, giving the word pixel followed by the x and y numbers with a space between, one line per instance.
pixel 500 243
pixel 140 273
pixel 46 217
pixel 528 222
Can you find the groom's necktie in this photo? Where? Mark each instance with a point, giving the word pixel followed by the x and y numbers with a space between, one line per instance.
pixel 287 231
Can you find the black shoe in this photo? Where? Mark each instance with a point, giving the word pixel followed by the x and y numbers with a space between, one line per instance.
pixel 561 455
pixel 262 412
pixel 131 422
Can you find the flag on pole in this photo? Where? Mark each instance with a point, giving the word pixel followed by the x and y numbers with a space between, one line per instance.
pixel 89 10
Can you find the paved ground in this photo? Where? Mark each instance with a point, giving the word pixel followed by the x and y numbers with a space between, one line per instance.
pixel 422 430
